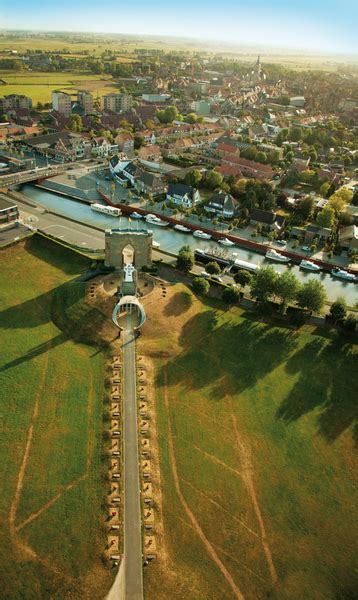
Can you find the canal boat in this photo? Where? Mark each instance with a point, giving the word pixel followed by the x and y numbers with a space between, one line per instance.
pixel 276 256
pixel 226 242
pixel 182 228
pixel 244 264
pixel 342 274
pixel 112 211
pixel 200 234
pixel 154 220
pixel 155 245
pixel 308 265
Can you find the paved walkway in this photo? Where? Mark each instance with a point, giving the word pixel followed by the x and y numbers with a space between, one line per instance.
pixel 133 561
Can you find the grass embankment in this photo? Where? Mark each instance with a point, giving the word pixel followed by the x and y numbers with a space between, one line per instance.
pixel 51 417
pixel 39 85
pixel 258 424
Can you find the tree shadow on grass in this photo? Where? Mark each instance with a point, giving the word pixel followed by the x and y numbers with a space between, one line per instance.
pixel 36 351
pixel 178 304
pixel 31 313
pixel 228 357
pixel 327 383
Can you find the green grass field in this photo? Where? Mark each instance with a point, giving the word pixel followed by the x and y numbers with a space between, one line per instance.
pixel 51 417
pixel 258 424
pixel 39 86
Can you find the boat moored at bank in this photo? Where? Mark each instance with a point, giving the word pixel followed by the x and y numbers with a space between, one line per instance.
pixel 154 220
pixel 201 234
pixel 342 274
pixel 182 228
pixel 226 242
pixel 112 211
pixel 309 265
pixel 276 256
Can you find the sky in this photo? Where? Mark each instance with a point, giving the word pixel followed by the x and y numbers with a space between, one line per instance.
pixel 327 26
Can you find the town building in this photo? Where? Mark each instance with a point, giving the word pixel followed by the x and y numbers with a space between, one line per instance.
pixel 348 237
pixel 222 204
pixel 201 107
pixel 183 195
pixel 61 102
pixel 15 102
pixel 266 219
pixel 8 212
pixel 116 102
pixel 85 100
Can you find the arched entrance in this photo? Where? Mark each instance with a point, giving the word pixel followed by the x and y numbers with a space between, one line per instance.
pixel 128 255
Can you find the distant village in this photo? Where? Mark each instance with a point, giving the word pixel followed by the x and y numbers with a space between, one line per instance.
pixel 253 143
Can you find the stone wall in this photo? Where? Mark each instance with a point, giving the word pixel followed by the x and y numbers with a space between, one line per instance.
pixel 117 239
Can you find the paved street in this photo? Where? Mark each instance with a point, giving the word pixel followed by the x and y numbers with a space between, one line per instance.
pixel 133 562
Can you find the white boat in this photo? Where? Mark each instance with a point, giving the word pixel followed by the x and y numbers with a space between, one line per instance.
pixel 182 228
pixel 309 265
pixel 244 264
pixel 155 244
pixel 200 234
pixel 342 274
pixel 154 220
pixel 226 242
pixel 112 211
pixel 273 255
pixel 135 215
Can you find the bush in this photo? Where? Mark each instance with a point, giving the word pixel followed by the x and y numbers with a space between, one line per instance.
pixel 297 318
pixel 201 286
pixel 231 295
pixel 350 324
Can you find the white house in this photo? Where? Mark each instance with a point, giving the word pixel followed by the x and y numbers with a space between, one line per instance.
pixel 183 195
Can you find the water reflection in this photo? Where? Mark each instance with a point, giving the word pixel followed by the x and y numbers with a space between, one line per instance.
pixel 172 241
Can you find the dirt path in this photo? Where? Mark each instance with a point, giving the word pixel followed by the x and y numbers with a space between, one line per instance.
pixel 25 458
pixel 217 460
pixel 73 483
pixel 208 546
pixel 247 473
pixel 222 508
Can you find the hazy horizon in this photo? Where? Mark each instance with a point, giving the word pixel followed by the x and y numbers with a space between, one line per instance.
pixel 321 27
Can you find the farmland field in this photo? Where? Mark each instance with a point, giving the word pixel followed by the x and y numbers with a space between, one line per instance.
pixel 39 86
pixel 255 426
pixel 50 419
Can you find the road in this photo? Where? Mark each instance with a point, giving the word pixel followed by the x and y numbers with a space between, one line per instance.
pixel 133 561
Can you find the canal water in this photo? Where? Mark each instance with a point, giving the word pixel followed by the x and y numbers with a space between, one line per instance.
pixel 172 240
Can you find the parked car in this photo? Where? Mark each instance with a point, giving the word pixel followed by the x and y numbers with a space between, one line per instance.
pixel 305 248
pixel 281 242
pixel 205 274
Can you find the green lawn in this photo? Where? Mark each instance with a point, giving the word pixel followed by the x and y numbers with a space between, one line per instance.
pixel 39 86
pixel 59 503
pixel 262 424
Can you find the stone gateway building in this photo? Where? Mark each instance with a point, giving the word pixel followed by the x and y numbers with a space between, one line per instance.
pixel 128 246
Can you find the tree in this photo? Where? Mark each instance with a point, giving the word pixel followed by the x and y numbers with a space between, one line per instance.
pixel 193 178
pixel 339 199
pixel 201 286
pixel 338 310
pixel 213 180
pixel 312 296
pixel 323 190
pixel 185 259
pixel 75 123
pixel 243 278
pixel 287 288
pixel 213 268
pixel 325 217
pixel 295 134
pixel 231 295
pixel 350 323
pixel 264 283
pixel 305 208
